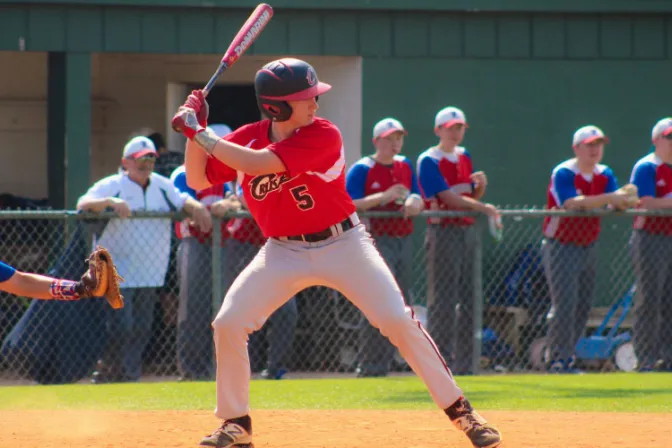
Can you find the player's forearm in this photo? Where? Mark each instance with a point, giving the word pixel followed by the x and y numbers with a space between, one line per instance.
pixel 29 285
pixel 195 162
pixel 587 202
pixel 454 200
pixel 651 203
pixel 190 205
pixel 93 205
pixel 240 158
pixel 369 202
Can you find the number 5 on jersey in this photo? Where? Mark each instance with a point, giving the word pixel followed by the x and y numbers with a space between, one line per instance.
pixel 303 199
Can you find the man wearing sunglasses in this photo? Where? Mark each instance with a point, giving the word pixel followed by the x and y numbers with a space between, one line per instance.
pixel 140 248
pixel 651 246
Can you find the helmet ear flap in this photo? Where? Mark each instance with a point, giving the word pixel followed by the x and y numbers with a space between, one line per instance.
pixel 275 110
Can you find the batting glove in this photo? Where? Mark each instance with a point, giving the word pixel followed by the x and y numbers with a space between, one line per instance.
pixel 197 102
pixel 186 122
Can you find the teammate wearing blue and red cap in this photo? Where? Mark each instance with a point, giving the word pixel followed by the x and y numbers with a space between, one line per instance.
pixel 291 168
pixel 652 253
pixel 568 250
pixel 386 181
pixel 448 182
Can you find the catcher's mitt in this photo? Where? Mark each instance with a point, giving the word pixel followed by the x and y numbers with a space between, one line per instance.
pixel 102 279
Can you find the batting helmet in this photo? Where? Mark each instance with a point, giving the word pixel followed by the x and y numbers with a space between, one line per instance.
pixel 285 80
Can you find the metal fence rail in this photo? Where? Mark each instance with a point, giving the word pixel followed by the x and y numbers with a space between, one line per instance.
pixel 524 303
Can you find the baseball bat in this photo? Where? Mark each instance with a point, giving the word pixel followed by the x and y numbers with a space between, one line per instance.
pixel 246 36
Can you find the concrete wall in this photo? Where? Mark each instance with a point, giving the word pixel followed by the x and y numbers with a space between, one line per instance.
pixel 130 92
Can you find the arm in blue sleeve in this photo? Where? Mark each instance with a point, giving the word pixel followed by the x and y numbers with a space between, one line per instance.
pixel 180 182
pixel 430 178
pixel 355 181
pixel 644 177
pixel 414 178
pixel 6 272
pixel 563 185
pixel 612 182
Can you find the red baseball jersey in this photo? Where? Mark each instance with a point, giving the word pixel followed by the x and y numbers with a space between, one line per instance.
pixel 309 196
pixel 653 178
pixel 367 177
pixel 568 182
pixel 206 197
pixel 439 171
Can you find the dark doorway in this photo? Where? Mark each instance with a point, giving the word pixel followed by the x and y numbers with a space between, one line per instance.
pixel 232 104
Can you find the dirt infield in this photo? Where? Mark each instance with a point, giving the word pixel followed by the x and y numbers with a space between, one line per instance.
pixel 327 429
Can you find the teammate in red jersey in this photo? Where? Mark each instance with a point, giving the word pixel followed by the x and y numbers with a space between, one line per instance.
pixel 291 168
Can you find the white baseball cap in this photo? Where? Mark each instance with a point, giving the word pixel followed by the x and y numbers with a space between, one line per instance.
pixel 220 129
pixel 449 116
pixel 138 147
pixel 387 126
pixel 588 134
pixel 662 128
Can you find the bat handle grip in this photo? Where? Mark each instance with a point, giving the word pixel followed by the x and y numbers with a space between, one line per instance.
pixel 221 69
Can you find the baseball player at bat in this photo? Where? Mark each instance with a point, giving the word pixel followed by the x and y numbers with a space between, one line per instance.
pixel 291 168
pixel 568 250
pixel 386 181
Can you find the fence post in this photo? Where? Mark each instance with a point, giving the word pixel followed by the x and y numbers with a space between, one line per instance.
pixel 216 265
pixel 477 330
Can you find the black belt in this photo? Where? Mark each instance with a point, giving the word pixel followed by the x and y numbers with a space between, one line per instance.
pixel 347 224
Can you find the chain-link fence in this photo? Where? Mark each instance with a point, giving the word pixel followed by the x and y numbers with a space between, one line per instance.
pixel 525 303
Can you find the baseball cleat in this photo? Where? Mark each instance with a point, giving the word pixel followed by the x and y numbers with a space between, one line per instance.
pixel 466 419
pixel 229 435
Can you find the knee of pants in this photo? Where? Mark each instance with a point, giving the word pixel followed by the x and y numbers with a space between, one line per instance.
pixel 394 323
pixel 232 323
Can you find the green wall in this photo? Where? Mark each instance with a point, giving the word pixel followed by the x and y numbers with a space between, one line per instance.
pixel 522 114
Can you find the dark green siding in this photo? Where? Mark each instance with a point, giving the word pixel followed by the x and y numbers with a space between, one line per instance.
pixel 364 33
pixel 613 6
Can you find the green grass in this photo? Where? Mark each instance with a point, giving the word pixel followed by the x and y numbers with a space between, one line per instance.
pixel 597 392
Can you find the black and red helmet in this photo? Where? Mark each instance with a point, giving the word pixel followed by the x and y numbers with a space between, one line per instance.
pixel 285 80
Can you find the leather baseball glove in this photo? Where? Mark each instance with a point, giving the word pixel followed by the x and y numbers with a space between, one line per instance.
pixel 630 191
pixel 101 279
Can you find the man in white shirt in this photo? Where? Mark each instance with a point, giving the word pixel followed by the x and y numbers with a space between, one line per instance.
pixel 140 248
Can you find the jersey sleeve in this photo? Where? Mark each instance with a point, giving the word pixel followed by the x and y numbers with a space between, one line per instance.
pixel 414 178
pixel 612 182
pixel 219 173
pixel 563 185
pixel 430 178
pixel 179 178
pixel 644 177
pixel 6 272
pixel 355 181
pixel 316 148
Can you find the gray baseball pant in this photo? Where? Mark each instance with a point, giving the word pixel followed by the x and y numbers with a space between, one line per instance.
pixel 195 348
pixel 451 260
pixel 570 271
pixel 652 335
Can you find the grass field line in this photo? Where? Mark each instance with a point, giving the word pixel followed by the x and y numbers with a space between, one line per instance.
pixel 618 392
